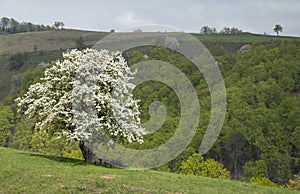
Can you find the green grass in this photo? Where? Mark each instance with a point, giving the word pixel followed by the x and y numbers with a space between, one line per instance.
pixel 27 172
pixel 46 40
pixel 239 38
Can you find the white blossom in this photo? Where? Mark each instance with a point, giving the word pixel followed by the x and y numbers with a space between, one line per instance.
pixel 98 84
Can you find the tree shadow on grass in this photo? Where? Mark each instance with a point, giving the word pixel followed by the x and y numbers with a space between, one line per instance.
pixel 71 161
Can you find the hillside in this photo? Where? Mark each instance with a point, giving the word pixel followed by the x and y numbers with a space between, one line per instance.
pixel 46 40
pixel 28 172
pixel 47 46
pixel 260 136
pixel 38 47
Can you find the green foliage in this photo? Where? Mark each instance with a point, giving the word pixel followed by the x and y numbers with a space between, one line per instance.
pixel 214 169
pixel 163 168
pixel 73 153
pixel 54 145
pixel 232 30
pixel 12 26
pixel 17 60
pixel 26 138
pixel 263 181
pixel 261 109
pixel 58 25
pixel 30 77
pixel 193 165
pixel 196 165
pixel 6 119
pixel 208 30
pixel 23 135
pixel 257 169
pixel 218 51
pixel 79 43
pixel 278 28
pixel 225 30
pixel 294 183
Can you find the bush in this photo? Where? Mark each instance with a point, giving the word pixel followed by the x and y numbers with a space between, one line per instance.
pixel 214 169
pixel 17 60
pixel 196 165
pixel 79 43
pixel 263 181
pixel 192 166
pixel 294 183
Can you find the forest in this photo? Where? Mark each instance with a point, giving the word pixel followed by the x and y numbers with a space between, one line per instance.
pixel 260 136
pixel 260 139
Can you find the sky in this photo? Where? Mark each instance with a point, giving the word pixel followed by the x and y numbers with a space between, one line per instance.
pixel 256 16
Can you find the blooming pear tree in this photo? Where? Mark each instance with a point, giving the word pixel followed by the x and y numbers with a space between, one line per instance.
pixel 86 94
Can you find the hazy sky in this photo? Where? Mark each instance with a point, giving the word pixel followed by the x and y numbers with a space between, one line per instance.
pixel 256 16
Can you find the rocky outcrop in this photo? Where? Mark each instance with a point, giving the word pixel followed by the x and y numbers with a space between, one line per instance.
pixel 244 48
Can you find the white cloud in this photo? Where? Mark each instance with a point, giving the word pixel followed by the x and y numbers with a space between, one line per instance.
pixel 128 19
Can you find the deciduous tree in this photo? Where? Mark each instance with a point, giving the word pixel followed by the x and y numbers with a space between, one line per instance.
pixel 278 28
pixel 97 75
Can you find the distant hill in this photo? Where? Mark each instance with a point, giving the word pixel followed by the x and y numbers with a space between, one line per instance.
pixel 46 40
pixel 45 46
pixel 39 47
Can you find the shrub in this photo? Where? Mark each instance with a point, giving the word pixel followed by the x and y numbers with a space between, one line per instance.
pixel 294 183
pixel 263 181
pixel 196 165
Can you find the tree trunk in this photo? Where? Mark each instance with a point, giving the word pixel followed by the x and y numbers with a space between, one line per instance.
pixel 88 155
pixel 235 158
pixel 235 169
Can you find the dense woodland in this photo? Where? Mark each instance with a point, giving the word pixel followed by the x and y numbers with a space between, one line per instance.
pixel 261 134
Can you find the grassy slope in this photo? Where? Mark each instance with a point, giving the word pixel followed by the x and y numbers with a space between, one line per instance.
pixel 25 172
pixel 46 40
pixel 63 39
pixel 239 38
pixel 49 43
